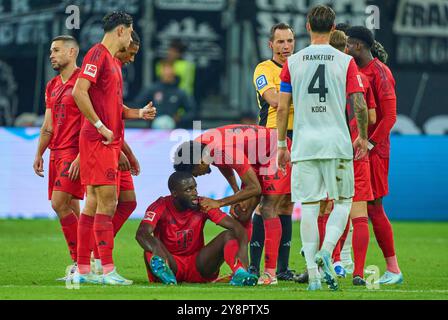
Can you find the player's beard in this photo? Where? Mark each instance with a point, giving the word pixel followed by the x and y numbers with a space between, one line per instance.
pixel 60 66
pixel 187 203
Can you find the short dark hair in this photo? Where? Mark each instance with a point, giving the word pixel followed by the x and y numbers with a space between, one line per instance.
pixel 135 38
pixel 362 34
pixel 321 19
pixel 66 38
pixel 378 51
pixel 195 151
pixel 342 26
pixel 176 178
pixel 279 26
pixel 115 19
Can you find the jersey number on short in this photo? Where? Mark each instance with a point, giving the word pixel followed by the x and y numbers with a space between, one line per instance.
pixel 321 90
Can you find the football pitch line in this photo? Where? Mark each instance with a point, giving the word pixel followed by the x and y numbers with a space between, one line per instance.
pixel 220 288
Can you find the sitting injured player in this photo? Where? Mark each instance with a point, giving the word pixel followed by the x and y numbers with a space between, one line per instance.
pixel 172 236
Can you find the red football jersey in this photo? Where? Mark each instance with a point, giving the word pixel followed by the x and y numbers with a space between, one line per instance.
pixel 106 92
pixel 241 147
pixel 182 233
pixel 120 65
pixel 67 118
pixel 383 88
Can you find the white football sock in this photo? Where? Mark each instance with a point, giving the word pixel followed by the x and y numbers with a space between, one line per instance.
pixel 336 224
pixel 309 233
pixel 346 252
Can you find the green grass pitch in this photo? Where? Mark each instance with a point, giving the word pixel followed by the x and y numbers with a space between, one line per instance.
pixel 33 254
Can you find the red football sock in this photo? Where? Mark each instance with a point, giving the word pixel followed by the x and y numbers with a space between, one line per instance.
pixel 322 223
pixel 273 234
pixel 69 226
pixel 94 247
pixel 104 238
pixel 85 227
pixel 124 210
pixel 230 250
pixel 360 244
pixel 384 235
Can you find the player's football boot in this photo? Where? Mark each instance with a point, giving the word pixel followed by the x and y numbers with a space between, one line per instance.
pixel 340 271
pixel 242 277
pixel 302 278
pixel 323 260
pixel 88 278
pixel 267 280
pixel 390 278
pixel 358 281
pixel 287 275
pixel 253 270
pixel 69 272
pixel 314 285
pixel 161 270
pixel 114 279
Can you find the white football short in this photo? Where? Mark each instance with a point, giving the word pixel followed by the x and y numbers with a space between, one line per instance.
pixel 315 180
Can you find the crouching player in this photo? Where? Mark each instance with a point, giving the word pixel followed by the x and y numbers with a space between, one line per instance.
pixel 172 236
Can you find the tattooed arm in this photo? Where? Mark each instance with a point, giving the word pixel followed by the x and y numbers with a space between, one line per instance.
pixel 361 114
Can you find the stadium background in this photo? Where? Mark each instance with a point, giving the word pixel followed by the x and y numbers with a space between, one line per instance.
pixel 225 39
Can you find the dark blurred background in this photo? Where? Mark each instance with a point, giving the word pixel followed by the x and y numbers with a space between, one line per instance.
pixel 222 41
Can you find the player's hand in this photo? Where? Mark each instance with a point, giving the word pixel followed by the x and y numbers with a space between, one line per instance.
pixel 208 204
pixel 123 162
pixel 361 148
pixel 107 134
pixel 149 112
pixel 73 171
pixel 38 166
pixel 283 159
pixel 135 165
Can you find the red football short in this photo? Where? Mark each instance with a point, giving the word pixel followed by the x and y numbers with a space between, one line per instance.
pixel 125 181
pixel 58 179
pixel 379 170
pixel 277 183
pixel 363 187
pixel 98 163
pixel 186 269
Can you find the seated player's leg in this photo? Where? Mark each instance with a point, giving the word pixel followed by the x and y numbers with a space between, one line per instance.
pixel 161 267
pixel 222 249
pixel 127 201
pixel 273 232
pixel 379 168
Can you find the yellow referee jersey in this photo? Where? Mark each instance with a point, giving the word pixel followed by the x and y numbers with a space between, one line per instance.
pixel 267 76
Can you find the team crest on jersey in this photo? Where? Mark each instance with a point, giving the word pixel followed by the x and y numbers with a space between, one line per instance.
pixel 261 82
pixel 149 216
pixel 91 70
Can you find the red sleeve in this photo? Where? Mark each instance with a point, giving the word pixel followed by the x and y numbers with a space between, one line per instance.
pixel 216 215
pixel 92 63
pixel 385 85
pixel 354 81
pixel 285 76
pixel 154 212
pixel 47 95
pixel 389 112
pixel 370 98
pixel 240 163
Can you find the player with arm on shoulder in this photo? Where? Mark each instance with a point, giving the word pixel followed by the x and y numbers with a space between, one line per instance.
pixel 383 87
pixel 250 151
pixel 321 78
pixel 172 237
pixel 267 84
pixel 60 133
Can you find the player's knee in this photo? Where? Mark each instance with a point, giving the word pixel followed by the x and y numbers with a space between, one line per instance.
pixel 60 206
pixel 267 210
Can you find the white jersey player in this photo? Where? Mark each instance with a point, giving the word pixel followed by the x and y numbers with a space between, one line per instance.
pixel 319 79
